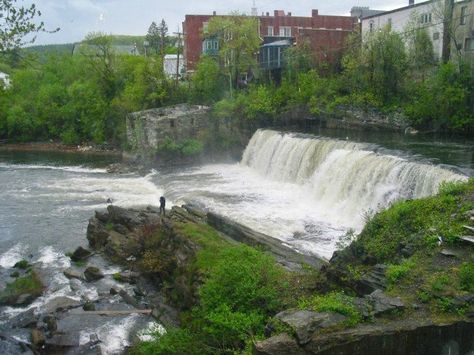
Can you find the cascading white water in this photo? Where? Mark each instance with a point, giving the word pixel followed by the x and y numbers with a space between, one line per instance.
pixel 345 179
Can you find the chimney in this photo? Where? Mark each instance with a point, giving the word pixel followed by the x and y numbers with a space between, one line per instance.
pixel 314 13
pixel 289 13
pixel 214 13
pixel 268 14
pixel 411 2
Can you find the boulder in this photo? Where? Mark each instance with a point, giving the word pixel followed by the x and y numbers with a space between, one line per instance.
pixel 281 344
pixel 305 323
pixel 24 319
pixel 383 304
pixel 127 217
pixel 72 273
pixel 97 234
pixel 374 280
pixel 61 303
pixel 37 338
pixel 128 276
pixel 93 273
pixel 63 340
pixel 80 254
pixel 449 253
pixel 51 323
pixel 24 299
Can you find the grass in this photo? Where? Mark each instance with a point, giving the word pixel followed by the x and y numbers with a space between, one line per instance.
pixel 28 284
pixel 395 273
pixel 418 223
pixel 337 302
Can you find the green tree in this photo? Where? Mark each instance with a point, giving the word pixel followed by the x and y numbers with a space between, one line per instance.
pixel 377 67
pixel 238 44
pixel 16 22
pixel 163 33
pixel 153 37
pixel 207 82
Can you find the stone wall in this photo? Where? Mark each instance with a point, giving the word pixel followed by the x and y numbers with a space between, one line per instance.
pixel 147 129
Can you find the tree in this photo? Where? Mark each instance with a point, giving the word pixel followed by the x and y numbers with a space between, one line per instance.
pixel 163 32
pixel 238 44
pixel 153 37
pixel 207 81
pixel 377 67
pixel 16 22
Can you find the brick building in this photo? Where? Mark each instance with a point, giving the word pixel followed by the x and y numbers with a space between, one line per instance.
pixel 325 34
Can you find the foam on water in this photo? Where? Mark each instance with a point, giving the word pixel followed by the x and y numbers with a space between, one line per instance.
pixel 71 169
pixel 49 257
pixel 12 256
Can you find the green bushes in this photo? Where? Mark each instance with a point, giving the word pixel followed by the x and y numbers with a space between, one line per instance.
pixel 186 148
pixel 466 276
pixel 242 289
pixel 395 273
pixel 417 223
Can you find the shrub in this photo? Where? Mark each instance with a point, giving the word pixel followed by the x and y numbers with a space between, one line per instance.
pixel 466 277
pixel 395 273
pixel 174 341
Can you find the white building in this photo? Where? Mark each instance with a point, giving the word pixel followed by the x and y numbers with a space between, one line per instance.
pixel 5 78
pixel 170 63
pixel 428 15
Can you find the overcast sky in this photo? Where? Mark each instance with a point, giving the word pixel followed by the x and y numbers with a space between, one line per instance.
pixel 132 17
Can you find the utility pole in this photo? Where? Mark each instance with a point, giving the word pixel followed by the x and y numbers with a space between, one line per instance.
pixel 179 34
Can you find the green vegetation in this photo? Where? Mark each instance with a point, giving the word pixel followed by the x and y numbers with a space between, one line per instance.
pixel 395 272
pixel 241 289
pixel 409 238
pixel 29 284
pixel 22 264
pixel 466 276
pixel 333 302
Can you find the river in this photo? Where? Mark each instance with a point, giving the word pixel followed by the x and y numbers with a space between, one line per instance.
pixel 305 190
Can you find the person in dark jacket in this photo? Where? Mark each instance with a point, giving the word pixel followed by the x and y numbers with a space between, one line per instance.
pixel 162 206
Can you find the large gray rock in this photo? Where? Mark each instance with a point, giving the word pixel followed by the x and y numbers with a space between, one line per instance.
pixel 72 273
pixel 93 274
pixel 382 304
pixel 64 340
pixel 281 344
pixel 23 319
pixel 61 303
pixel 80 254
pixel 305 323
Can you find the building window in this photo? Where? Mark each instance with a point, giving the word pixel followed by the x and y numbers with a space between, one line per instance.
pixel 425 18
pixel 270 31
pixel 435 36
pixel 469 45
pixel 462 19
pixel 205 27
pixel 371 26
pixel 216 45
pixel 285 31
pixel 390 22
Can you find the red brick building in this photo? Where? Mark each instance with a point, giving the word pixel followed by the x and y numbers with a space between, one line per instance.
pixel 325 34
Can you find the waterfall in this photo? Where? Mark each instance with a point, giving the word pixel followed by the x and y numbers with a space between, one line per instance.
pixel 345 179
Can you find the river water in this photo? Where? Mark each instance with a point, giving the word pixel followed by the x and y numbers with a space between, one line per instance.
pixel 307 191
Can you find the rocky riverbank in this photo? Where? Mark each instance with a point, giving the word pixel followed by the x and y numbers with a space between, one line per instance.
pixel 370 318
pixel 89 149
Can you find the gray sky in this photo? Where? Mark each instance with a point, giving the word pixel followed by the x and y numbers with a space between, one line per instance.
pixel 132 17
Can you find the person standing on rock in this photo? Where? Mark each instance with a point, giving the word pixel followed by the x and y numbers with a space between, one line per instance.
pixel 162 206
